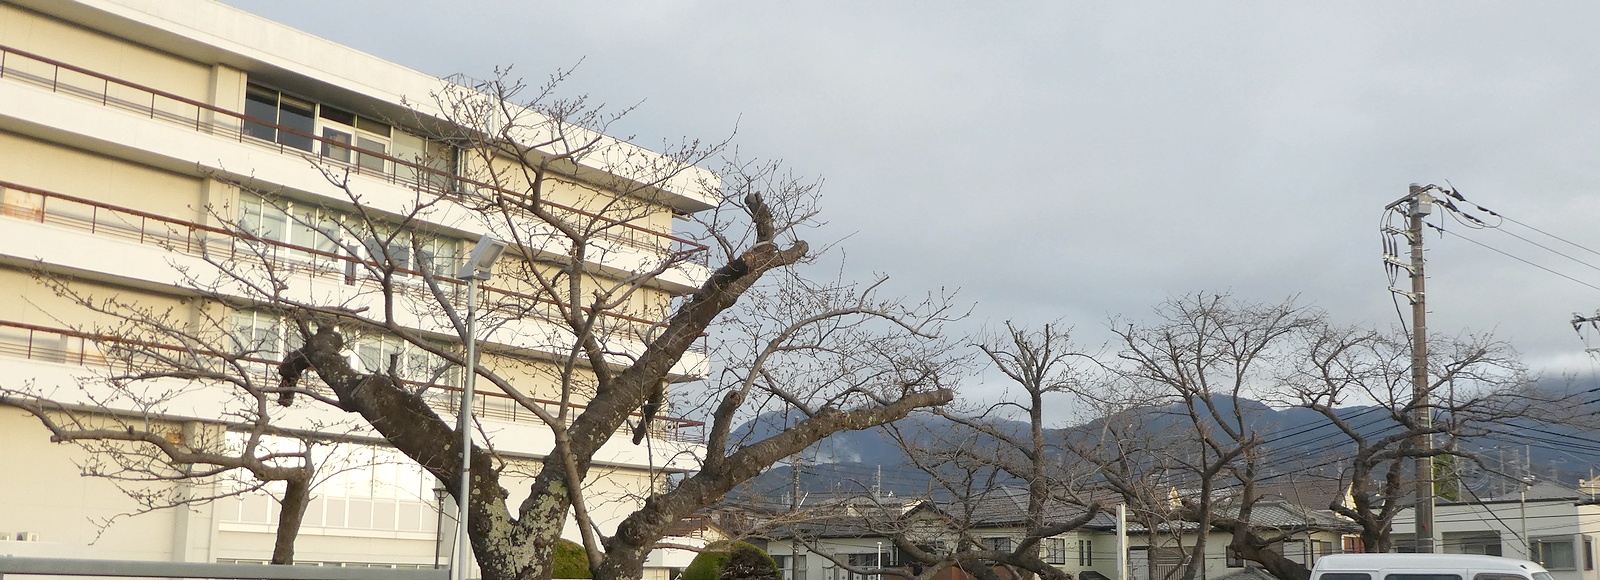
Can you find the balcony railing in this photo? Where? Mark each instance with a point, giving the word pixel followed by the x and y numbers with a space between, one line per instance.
pixel 58 345
pixel 197 239
pixel 156 104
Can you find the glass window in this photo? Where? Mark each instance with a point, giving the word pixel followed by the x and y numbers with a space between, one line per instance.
pixel 261 103
pixel 1554 553
pixel 386 247
pixel 372 126
pixel 1053 550
pixel 298 116
pixel 1347 576
pixel 998 543
pixel 441 255
pixel 337 145
pixel 262 219
pixel 367 148
pixel 293 122
pixel 258 335
pixel 338 115
pixel 792 567
pixel 373 353
pixel 1588 553
pixel 289 222
pixel 1420 577
pixel 1085 553
pixel 315 229
pixel 862 561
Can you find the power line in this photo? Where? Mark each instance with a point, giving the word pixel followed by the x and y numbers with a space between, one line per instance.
pixel 1509 255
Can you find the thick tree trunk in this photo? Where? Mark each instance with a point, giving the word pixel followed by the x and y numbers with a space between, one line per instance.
pixel 291 513
pixel 1273 562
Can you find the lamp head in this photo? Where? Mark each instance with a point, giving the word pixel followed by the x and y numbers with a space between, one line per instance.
pixel 480 264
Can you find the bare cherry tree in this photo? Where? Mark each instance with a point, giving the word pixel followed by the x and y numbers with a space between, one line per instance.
pixel 587 322
pixel 1476 385
pixel 1208 357
pixel 993 468
pixel 147 418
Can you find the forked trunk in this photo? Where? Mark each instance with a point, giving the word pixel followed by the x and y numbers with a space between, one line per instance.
pixel 291 512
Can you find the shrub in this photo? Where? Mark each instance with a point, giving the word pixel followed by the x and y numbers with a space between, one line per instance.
pixel 748 562
pixel 571 561
pixel 735 561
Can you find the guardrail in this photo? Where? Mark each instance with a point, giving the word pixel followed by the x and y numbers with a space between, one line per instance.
pixel 197 239
pixel 145 569
pixel 109 91
pixel 59 345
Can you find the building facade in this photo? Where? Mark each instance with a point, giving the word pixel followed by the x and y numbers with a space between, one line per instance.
pixel 159 159
pixel 1548 523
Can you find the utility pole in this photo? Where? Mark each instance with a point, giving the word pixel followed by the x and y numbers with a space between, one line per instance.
pixel 794 572
pixel 1418 203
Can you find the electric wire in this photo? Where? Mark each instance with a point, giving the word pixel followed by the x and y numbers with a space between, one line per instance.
pixel 1509 255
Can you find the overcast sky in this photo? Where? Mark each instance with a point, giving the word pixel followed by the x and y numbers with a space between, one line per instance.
pixel 1082 160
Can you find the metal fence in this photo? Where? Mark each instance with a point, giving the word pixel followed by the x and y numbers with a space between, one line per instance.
pixel 112 92
pixel 143 569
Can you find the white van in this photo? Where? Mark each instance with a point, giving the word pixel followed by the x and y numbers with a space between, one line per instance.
pixel 1425 567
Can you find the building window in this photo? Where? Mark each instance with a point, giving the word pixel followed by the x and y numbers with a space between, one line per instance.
pixel 260 337
pixel 351 138
pixel 1053 550
pixel 411 252
pixel 1554 553
pixel 1234 561
pixel 316 233
pixel 861 562
pixel 1353 545
pixel 1588 553
pixel 792 567
pixel 1085 553
pixel 998 543
pixel 365 488
pixel 275 108
pixel 346 137
pixel 301 225
pixel 1319 548
pixel 374 353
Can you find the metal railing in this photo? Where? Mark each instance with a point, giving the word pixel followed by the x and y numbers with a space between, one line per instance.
pixel 146 569
pixel 66 346
pixel 197 239
pixel 160 105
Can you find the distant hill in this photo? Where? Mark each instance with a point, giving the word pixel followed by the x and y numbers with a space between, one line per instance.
pixel 1297 438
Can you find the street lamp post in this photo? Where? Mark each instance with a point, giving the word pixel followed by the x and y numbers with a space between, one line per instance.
pixel 438 522
pixel 479 267
pixel 880 560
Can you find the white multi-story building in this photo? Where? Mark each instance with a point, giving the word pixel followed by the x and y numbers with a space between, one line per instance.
pixel 141 138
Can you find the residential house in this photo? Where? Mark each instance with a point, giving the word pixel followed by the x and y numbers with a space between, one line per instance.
pixel 863 537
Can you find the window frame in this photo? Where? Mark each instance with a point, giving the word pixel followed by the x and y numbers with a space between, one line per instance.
pixel 1053 551
pixel 1540 553
pixel 1003 544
